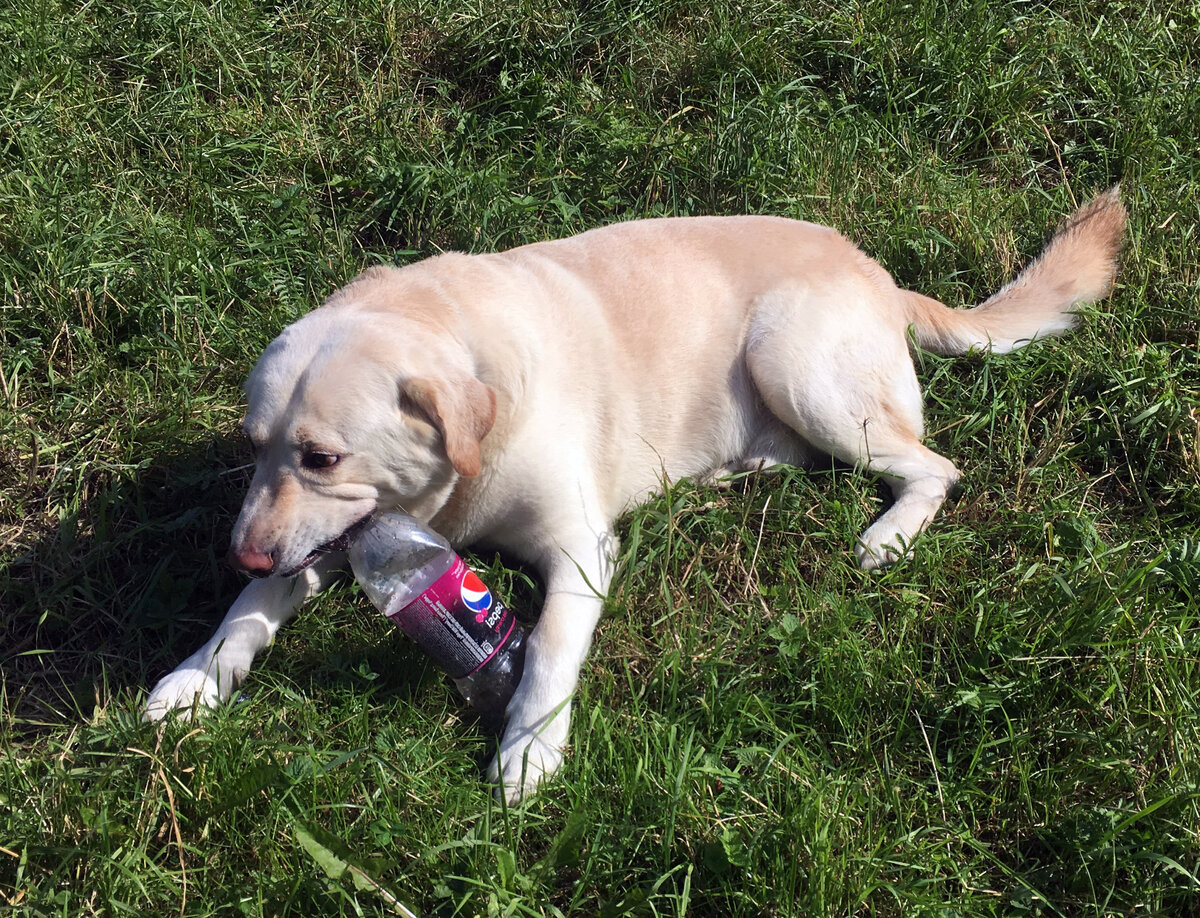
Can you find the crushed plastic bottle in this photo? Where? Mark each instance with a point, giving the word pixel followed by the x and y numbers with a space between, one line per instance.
pixel 414 577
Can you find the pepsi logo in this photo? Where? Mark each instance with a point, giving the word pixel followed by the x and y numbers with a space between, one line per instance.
pixel 475 596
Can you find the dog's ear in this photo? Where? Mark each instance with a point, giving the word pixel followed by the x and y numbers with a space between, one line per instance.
pixel 463 411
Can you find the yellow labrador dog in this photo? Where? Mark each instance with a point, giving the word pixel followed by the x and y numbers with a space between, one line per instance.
pixel 526 399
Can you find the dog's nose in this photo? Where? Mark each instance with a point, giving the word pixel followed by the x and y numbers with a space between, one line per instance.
pixel 249 559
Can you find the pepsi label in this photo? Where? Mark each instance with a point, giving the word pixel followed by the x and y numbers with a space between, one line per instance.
pixel 457 621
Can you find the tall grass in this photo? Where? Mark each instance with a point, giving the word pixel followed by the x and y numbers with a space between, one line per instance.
pixel 1007 724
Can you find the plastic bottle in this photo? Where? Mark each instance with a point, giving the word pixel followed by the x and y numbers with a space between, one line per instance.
pixel 415 578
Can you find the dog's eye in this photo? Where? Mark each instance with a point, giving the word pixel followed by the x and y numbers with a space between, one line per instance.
pixel 319 461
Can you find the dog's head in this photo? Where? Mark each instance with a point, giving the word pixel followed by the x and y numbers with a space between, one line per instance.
pixel 350 412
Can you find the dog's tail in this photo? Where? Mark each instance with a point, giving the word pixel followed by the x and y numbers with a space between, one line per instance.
pixel 1076 267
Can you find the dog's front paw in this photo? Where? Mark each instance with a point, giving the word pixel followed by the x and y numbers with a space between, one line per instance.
pixel 880 548
pixel 522 764
pixel 182 692
pixel 872 558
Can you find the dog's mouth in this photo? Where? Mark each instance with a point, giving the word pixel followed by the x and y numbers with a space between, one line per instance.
pixel 340 543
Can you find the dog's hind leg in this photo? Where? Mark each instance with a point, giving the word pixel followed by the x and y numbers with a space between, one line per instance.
pixel 841 376
pixel 919 479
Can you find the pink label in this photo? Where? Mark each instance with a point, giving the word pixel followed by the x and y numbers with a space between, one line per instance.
pixel 456 621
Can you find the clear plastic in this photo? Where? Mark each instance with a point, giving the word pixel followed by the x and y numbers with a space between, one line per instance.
pixel 413 576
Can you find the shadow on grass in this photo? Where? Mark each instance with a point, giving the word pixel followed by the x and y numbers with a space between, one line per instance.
pixel 133 580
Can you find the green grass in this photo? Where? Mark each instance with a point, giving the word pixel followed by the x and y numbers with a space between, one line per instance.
pixel 1006 725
